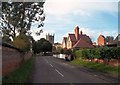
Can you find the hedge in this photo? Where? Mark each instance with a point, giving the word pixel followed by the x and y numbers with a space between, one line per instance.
pixel 99 53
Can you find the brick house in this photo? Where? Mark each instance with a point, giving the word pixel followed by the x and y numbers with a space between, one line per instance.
pixel 101 40
pixel 77 40
pixel 64 42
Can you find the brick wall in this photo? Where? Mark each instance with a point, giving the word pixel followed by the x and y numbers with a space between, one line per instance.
pixel 101 40
pixel 12 59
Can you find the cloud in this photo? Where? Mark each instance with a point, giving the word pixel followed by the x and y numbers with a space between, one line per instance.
pixel 62 15
pixel 64 7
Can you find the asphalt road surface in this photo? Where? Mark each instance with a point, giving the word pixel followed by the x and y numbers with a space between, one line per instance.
pixel 48 69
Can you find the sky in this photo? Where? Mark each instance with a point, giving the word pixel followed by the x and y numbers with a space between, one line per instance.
pixel 94 17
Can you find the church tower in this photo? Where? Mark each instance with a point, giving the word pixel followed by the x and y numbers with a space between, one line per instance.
pixel 50 38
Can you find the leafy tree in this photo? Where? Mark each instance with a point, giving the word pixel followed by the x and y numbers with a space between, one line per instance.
pixel 85 54
pixel 118 52
pixel 6 39
pixel 22 42
pixel 68 52
pixel 109 39
pixel 59 50
pixel 17 17
pixel 46 46
pixel 42 45
pixel 35 47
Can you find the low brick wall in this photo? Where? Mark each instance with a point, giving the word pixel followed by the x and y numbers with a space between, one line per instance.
pixel 115 62
pixel 12 59
pixel 112 62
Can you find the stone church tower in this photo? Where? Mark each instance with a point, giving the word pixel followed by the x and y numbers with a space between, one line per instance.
pixel 50 38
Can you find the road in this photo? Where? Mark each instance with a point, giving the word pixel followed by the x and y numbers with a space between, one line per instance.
pixel 48 69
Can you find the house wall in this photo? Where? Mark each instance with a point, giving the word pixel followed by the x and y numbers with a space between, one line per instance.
pixel 101 41
pixel 69 43
pixel 64 44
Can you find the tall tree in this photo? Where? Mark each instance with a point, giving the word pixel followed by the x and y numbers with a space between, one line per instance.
pixel 17 17
pixel 42 45
pixel 109 39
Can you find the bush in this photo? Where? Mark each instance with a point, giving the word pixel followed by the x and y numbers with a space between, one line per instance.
pixel 85 54
pixel 78 53
pixel 22 42
pixel 117 54
pixel 99 53
pixel 68 52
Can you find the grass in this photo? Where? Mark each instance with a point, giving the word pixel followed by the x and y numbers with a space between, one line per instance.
pixel 21 74
pixel 98 66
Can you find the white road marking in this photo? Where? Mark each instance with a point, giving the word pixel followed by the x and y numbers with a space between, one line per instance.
pixel 59 73
pixel 51 65
pixel 46 61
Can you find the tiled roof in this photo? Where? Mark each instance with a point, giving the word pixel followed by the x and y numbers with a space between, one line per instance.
pixel 82 44
pixel 102 36
pixel 86 38
pixel 65 39
pixel 72 37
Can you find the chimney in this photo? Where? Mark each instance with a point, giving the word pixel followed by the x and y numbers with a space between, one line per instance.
pixel 77 33
pixel 81 32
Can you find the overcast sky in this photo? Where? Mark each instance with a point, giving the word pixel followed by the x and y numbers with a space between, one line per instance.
pixel 93 18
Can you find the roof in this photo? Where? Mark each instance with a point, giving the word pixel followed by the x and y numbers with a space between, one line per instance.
pixel 82 44
pixel 64 39
pixel 72 37
pixel 86 38
pixel 83 36
pixel 117 38
pixel 101 36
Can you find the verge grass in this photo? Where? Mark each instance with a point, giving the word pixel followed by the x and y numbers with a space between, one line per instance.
pixel 98 66
pixel 21 74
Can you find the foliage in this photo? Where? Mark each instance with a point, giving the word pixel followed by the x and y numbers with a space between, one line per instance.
pixel 98 66
pixel 58 50
pixel 117 53
pixel 42 45
pixel 109 39
pixel 67 51
pixel 22 42
pixel 6 39
pixel 17 17
pixel 85 54
pixel 21 74
pixel 100 53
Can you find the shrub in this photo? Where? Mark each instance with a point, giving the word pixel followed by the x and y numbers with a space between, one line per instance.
pixel 85 54
pixel 78 53
pixel 22 42
pixel 117 53
pixel 99 53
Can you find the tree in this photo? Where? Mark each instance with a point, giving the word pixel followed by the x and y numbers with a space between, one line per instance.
pixel 42 45
pixel 17 17
pixel 22 42
pixel 109 39
pixel 6 39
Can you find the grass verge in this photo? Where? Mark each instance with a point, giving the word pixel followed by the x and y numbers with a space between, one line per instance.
pixel 98 66
pixel 21 74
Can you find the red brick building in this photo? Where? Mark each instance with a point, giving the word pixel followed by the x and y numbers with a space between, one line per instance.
pixel 77 40
pixel 101 40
